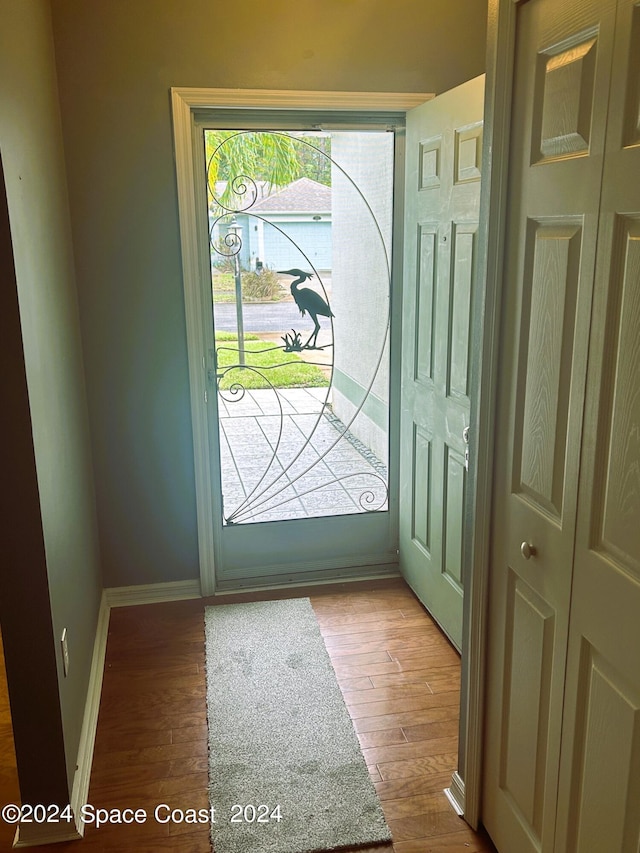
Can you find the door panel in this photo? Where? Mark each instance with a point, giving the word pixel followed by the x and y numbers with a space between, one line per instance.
pixel 444 145
pixel 425 291
pixel 550 284
pixel 563 56
pixel 602 800
pixel 599 792
pixel 528 671
pixel 464 251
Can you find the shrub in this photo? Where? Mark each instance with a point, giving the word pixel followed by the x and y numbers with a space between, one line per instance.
pixel 262 284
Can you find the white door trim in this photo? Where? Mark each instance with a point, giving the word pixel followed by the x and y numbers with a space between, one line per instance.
pixel 193 273
pixel 485 334
pixel 291 99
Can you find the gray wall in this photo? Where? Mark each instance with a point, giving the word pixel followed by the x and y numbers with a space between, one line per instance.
pixel 51 575
pixel 116 61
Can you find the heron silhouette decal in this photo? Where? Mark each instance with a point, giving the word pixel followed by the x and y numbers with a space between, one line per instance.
pixel 309 302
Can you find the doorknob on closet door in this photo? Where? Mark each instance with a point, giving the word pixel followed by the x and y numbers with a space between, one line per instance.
pixel 527 550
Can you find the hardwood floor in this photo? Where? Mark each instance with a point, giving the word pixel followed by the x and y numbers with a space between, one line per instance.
pixel 400 678
pixel 9 791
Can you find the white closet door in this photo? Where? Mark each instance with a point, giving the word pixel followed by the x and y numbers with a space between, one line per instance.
pixel 599 796
pixel 561 86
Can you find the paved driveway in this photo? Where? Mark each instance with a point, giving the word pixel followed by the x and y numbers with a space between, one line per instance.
pixel 262 317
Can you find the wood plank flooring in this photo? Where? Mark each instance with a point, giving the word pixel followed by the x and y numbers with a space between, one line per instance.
pixel 9 790
pixel 400 679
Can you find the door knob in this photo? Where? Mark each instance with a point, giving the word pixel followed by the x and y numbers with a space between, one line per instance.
pixel 527 550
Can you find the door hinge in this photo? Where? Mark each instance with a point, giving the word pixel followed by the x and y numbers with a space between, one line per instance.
pixel 465 438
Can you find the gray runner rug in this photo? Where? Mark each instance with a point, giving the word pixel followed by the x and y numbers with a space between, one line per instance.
pixel 286 774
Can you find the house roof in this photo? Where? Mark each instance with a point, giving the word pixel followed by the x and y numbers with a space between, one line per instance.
pixel 301 196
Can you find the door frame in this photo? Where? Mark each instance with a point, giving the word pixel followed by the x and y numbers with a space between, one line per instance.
pixel 186 103
pixel 338 546
pixel 465 791
pixel 466 787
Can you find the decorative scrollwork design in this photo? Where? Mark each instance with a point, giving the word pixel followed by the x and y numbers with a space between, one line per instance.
pixel 236 389
pixel 231 240
pixel 244 188
pixel 281 480
pixel 370 502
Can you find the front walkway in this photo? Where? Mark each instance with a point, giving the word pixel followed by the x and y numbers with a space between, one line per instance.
pixel 287 456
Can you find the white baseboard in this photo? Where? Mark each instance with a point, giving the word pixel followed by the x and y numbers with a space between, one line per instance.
pixel 34 834
pixel 152 593
pixel 455 793
pixel 80 790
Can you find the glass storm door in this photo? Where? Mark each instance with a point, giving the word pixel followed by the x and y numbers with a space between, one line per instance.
pixel 299 237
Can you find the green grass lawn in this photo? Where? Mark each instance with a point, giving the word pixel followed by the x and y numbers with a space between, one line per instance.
pixel 264 359
pixel 224 287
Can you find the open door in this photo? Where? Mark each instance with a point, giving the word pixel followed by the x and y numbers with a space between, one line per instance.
pixel 444 151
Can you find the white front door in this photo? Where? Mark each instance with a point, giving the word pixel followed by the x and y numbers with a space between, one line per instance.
pixel 444 151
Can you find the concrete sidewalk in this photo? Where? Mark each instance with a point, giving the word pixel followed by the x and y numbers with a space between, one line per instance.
pixel 284 456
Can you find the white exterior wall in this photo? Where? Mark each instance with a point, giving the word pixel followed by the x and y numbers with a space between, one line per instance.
pixel 361 263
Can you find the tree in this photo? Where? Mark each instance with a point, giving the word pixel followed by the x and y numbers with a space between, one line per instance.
pixel 314 154
pixel 251 164
pixel 275 158
pixel 242 157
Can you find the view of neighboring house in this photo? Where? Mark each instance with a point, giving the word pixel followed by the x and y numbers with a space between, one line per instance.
pixel 289 227
pixel 336 229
